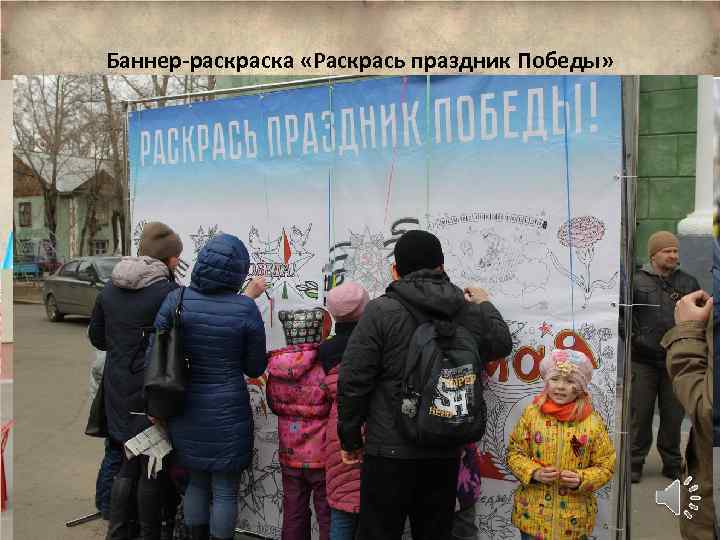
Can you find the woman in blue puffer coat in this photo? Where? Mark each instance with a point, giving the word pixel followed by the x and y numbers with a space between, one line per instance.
pixel 224 339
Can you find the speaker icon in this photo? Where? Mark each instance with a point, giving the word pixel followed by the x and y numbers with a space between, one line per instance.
pixel 670 497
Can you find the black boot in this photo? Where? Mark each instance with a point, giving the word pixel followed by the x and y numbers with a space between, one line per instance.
pixel 636 473
pixel 673 472
pixel 168 528
pixel 170 510
pixel 149 508
pixel 151 531
pixel 121 509
pixel 199 532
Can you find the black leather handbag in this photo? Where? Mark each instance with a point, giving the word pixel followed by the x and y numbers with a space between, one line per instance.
pixel 97 419
pixel 166 376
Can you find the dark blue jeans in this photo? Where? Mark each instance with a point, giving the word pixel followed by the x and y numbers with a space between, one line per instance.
pixel 342 525
pixel 108 469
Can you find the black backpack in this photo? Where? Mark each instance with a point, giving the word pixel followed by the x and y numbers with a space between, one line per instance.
pixel 441 394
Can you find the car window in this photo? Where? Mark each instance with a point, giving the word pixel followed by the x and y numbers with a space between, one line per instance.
pixel 86 272
pixel 70 269
pixel 105 266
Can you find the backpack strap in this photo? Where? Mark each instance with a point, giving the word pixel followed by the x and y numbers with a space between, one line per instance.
pixel 147 331
pixel 671 291
pixel 418 316
pixel 178 308
pixel 416 347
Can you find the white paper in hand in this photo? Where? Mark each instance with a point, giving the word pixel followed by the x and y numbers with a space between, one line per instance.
pixel 154 443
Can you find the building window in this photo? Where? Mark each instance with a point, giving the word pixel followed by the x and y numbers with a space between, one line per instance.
pixel 100 247
pixel 25 211
pixel 102 212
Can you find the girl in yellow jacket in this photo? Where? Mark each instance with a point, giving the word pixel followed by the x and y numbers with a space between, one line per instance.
pixel 561 453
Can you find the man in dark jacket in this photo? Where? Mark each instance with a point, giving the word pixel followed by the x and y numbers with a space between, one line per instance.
pixel 660 284
pixel 400 479
pixel 124 314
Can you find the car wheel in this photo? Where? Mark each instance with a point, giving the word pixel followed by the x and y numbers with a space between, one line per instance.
pixel 51 309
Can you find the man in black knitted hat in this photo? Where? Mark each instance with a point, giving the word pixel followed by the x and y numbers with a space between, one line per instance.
pixel 417 250
pixel 400 478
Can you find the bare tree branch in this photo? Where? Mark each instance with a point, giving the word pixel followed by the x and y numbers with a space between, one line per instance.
pixel 140 93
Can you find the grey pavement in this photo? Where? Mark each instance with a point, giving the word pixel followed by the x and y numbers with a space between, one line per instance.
pixel 55 464
pixel 650 521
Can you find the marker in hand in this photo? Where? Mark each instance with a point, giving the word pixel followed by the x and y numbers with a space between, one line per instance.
pixel 256 287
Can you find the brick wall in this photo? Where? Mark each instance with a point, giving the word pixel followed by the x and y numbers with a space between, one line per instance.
pixel 666 155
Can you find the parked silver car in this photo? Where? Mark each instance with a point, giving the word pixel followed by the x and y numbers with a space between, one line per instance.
pixel 73 288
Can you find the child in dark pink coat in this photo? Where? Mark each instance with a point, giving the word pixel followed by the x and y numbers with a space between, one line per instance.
pixel 346 304
pixel 296 394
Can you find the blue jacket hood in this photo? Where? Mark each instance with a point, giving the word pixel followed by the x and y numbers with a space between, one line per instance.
pixel 222 265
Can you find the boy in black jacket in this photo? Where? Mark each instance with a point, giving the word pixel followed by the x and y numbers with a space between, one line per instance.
pixel 400 479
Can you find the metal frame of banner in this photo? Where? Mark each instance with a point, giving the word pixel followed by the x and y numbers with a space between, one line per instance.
pixel 126 240
pixel 242 90
pixel 630 123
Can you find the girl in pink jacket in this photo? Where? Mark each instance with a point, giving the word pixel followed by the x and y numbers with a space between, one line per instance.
pixel 296 394
pixel 346 304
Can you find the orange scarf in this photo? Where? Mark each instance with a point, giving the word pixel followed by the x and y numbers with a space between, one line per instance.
pixel 564 413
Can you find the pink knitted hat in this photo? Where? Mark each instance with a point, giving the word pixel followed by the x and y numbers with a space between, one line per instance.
pixel 347 301
pixel 573 364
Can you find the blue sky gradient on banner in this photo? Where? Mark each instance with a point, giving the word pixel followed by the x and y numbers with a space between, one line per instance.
pixel 497 154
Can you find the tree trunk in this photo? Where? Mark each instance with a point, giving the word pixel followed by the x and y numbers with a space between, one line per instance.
pixel 82 238
pixel 93 227
pixel 116 157
pixel 123 238
pixel 90 223
pixel 116 239
pixel 51 196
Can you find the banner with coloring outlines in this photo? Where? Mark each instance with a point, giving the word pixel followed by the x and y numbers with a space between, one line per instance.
pixel 516 175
